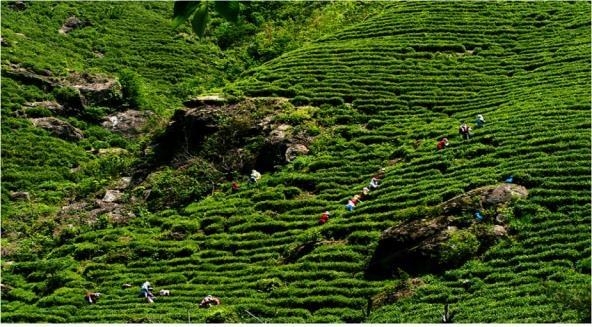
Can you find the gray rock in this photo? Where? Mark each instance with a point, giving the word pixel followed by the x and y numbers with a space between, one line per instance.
pixel 129 123
pixel 112 151
pixel 122 183
pixel 503 193
pixel 92 90
pixel 295 150
pixel 71 23
pixel 205 100
pixel 51 105
pixel 95 90
pixel 58 128
pixel 20 196
pixel 279 134
pixel 75 206
pixel 484 197
pixel 18 5
pixel 113 196
pixel 26 76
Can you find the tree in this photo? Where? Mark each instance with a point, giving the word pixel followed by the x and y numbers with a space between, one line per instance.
pixel 197 12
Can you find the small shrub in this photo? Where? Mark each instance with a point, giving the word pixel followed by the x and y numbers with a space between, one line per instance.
pixel 170 279
pixel 291 192
pixel 132 88
pixel 95 114
pixel 222 315
pixel 300 100
pixel 68 97
pixel 269 284
pixel 459 247
pixel 37 112
pixel 19 294
pixel 583 266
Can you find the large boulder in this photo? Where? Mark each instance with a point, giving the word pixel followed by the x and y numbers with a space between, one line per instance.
pixel 128 123
pixel 71 23
pixel 484 198
pixel 27 76
pixel 76 91
pixel 95 90
pixel 53 106
pixel 20 196
pixel 295 150
pixel 58 128
pixel 233 136
pixel 113 196
pixel 18 5
pixel 214 99
pixel 436 243
pixel 186 132
pixel 501 194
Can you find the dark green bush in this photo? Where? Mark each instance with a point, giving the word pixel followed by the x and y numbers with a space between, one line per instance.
pixel 132 88
pixel 37 112
pixel 95 114
pixel 222 315
pixel 68 97
pixel 300 100
pixel 291 192
pixel 461 246
pixel 170 279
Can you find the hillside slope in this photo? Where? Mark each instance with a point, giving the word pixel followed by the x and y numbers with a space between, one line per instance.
pixel 381 94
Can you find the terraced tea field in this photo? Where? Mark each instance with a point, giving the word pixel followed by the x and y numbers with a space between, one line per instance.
pixel 386 90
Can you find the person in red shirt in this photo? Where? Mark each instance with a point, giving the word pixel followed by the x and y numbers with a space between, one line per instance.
pixel 235 187
pixel 442 144
pixel 324 217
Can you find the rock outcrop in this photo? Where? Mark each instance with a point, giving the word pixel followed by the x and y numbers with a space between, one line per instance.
pixel 29 77
pixel 58 128
pixel 71 23
pixel 215 100
pixel 295 150
pixel 129 123
pixel 95 90
pixel 89 212
pixel 483 198
pixel 86 89
pixel 20 196
pixel 53 106
pixel 220 131
pixel 112 196
pixel 435 243
pixel 18 5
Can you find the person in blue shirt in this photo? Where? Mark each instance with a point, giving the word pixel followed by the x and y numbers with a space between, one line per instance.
pixel 478 216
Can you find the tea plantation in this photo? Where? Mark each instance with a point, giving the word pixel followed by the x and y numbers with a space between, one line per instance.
pixel 379 92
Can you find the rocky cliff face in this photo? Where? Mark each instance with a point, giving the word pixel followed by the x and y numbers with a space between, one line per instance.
pixel 236 136
pixel 81 90
pixel 436 243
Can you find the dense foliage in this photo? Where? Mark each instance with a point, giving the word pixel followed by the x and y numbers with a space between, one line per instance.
pixel 386 81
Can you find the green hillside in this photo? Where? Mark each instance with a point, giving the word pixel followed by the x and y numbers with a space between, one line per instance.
pixel 377 91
